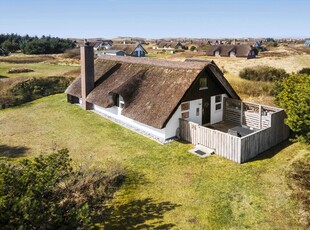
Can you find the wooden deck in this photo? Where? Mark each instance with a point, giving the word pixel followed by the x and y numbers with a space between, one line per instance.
pixel 266 124
pixel 222 126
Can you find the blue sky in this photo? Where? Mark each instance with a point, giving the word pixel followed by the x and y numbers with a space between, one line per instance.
pixel 156 18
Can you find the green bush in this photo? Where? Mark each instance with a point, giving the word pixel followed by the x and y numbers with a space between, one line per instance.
pixel 193 48
pixel 293 94
pixel 32 89
pixel 304 71
pixel 263 73
pixel 47 193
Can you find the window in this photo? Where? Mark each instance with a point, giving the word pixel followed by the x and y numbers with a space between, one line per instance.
pixel 218 98
pixel 203 83
pixel 185 110
pixel 185 115
pixel 197 112
pixel 185 106
pixel 218 106
pixel 120 101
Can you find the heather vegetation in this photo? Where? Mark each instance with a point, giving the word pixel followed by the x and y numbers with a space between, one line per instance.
pixel 31 89
pixel 263 73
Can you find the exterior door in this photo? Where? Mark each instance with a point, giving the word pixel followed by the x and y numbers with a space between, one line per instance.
pixel 195 113
pixel 216 114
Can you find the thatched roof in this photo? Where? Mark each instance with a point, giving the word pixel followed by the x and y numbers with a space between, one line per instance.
pixel 244 50
pixel 240 50
pixel 151 88
pixel 172 45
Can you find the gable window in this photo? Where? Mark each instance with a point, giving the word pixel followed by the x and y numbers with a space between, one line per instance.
pixel 185 115
pixel 185 106
pixel 203 83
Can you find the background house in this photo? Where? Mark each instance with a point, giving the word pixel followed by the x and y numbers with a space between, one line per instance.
pixel 131 50
pixel 247 51
pixel 169 45
pixel 111 52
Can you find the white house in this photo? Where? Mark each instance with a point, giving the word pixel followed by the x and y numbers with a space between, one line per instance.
pixel 150 95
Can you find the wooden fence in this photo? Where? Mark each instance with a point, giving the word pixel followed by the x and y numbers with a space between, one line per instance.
pixel 237 149
pixel 248 114
pixel 225 145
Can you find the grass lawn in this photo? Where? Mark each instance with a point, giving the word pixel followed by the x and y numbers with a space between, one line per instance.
pixel 166 187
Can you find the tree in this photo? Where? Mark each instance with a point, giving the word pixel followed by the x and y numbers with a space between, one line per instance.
pixel 293 94
pixel 10 46
pixel 47 193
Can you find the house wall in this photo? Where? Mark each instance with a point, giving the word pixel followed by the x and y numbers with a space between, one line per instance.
pixel 213 88
pixel 252 54
pixel 170 131
pixel 113 114
pixel 232 54
pixel 119 53
pixel 174 123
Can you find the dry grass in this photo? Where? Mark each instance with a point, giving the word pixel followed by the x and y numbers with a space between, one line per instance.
pixel 289 58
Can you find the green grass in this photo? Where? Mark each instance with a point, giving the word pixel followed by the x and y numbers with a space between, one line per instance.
pixel 40 70
pixel 166 186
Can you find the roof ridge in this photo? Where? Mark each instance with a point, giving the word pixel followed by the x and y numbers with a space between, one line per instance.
pixel 157 62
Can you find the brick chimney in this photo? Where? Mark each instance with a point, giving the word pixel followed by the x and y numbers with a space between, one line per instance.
pixel 87 73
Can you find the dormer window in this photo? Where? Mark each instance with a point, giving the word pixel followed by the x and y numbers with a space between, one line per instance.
pixel 120 101
pixel 203 83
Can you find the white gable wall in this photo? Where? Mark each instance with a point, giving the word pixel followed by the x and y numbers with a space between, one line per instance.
pixel 140 51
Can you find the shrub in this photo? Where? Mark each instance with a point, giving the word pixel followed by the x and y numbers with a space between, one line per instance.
pixel 47 193
pixel 193 48
pixel 304 71
pixel 293 94
pixel 263 73
pixel 72 53
pixel 20 70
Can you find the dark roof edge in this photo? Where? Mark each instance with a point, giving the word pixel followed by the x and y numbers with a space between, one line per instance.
pixel 220 77
pixel 223 81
